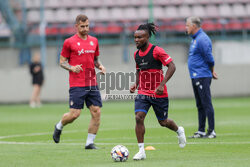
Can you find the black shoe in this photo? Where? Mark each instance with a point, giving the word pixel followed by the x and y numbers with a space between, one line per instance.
pixel 210 134
pixel 56 135
pixel 197 135
pixel 91 146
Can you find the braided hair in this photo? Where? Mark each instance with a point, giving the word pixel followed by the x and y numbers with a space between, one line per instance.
pixel 149 27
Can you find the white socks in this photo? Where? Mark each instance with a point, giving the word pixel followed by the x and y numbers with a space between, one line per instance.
pixel 90 139
pixel 141 147
pixel 178 130
pixel 59 125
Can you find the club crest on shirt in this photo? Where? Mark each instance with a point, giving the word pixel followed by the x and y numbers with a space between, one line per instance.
pixel 78 43
pixel 91 43
pixel 194 43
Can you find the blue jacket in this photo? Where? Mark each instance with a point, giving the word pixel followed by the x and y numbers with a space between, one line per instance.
pixel 200 59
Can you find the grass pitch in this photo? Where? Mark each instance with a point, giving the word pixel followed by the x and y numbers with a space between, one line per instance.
pixel 26 136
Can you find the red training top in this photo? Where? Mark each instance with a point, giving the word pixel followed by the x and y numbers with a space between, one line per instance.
pixel 81 52
pixel 150 79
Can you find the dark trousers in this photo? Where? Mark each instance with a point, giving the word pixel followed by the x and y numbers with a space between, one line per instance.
pixel 201 87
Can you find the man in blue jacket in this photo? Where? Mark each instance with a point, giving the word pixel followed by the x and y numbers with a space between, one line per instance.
pixel 201 69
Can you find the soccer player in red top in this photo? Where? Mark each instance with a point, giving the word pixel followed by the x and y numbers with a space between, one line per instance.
pixel 151 84
pixel 80 57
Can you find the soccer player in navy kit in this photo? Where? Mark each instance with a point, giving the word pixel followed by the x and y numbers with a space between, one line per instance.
pixel 151 84
pixel 201 69
pixel 80 57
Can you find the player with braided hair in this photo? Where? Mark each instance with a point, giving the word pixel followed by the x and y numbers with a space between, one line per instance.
pixel 151 85
pixel 150 27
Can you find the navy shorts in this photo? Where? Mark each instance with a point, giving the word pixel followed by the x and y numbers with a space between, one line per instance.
pixel 91 95
pixel 160 105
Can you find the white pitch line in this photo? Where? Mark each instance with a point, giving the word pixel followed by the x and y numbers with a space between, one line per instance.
pixel 76 131
pixel 50 133
pixel 165 143
pixel 35 134
pixel 216 105
pixel 175 143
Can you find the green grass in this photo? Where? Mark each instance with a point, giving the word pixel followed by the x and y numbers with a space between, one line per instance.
pixel 26 136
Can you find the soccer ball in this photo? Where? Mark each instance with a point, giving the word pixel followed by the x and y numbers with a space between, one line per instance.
pixel 119 153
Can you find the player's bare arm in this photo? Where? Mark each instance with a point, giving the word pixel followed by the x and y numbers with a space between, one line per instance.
pixel 135 85
pixel 170 71
pixel 99 65
pixel 64 64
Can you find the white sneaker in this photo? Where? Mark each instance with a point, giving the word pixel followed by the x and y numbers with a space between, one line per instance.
pixel 32 105
pixel 181 137
pixel 139 156
pixel 210 134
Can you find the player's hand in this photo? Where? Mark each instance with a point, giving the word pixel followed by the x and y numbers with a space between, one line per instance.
pixel 159 90
pixel 215 76
pixel 103 69
pixel 77 68
pixel 133 88
pixel 37 69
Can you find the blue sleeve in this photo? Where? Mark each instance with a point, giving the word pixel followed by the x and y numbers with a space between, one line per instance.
pixel 205 46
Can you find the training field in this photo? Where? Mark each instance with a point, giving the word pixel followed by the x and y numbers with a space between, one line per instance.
pixel 26 136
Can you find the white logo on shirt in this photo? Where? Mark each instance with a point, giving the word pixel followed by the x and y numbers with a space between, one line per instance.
pixel 85 51
pixel 167 59
pixel 91 43
pixel 80 52
pixel 143 63
pixel 78 43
